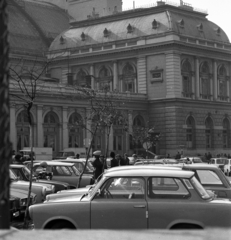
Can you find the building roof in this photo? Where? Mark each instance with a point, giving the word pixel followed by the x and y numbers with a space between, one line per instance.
pixel 144 22
pixel 33 25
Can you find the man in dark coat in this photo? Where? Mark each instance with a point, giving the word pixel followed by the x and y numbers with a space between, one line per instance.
pixel 126 159
pixel 114 161
pixel 97 164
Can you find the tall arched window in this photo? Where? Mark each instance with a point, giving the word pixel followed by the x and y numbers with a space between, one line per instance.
pixel 205 81
pixel 23 130
pixel 99 140
pixel 186 73
pixel 128 78
pixel 105 79
pixel 81 79
pixel 75 130
pixel 190 132
pixel 222 83
pixel 209 132
pixel 138 131
pixel 51 131
pixel 226 133
pixel 119 137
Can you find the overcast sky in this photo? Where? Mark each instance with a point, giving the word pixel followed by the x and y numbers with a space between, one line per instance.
pixel 219 12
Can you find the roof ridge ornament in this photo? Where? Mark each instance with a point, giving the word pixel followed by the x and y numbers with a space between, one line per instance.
pixel 200 27
pixel 155 24
pixel 106 33
pixel 62 40
pixel 129 28
pixel 181 23
pixel 83 36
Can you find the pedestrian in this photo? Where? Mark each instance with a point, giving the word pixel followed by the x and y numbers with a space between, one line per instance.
pixel 77 156
pixel 126 159
pixel 97 164
pixel 103 160
pixel 178 156
pixel 114 161
pixel 168 156
pixel 209 156
pixel 134 158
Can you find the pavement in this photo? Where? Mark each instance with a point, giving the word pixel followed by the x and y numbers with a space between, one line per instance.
pixel 208 234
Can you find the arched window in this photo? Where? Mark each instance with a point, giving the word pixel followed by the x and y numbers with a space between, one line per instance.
pixel 51 131
pixel 23 130
pixel 119 136
pixel 222 83
pixel 99 139
pixel 75 127
pixel 205 81
pixel 209 132
pixel 190 132
pixel 186 73
pixel 138 131
pixel 81 79
pixel 128 79
pixel 105 79
pixel 226 133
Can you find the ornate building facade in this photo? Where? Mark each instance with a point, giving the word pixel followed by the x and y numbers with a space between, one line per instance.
pixel 171 66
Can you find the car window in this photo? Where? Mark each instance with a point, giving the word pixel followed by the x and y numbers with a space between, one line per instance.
pixel 26 172
pixel 74 170
pixel 213 161
pixel 18 173
pixel 123 188
pixel 163 187
pixel 197 160
pixel 208 177
pixel 61 171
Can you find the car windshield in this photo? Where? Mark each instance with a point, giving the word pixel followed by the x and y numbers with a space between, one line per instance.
pixel 221 161
pixel 197 160
pixel 12 175
pixel 208 177
pixel 26 172
pixel 203 193
pixel 95 188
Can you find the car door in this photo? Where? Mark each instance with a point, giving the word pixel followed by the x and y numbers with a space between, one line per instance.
pixel 120 204
pixel 168 202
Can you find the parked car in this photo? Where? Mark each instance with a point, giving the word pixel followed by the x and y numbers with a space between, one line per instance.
pixel 22 195
pixel 219 162
pixel 137 199
pixel 23 173
pixel 193 160
pixel 64 172
pixel 227 167
pixel 40 191
pixel 156 161
pixel 79 164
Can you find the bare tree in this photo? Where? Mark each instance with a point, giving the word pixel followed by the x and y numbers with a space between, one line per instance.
pixel 105 109
pixel 26 83
pixel 5 147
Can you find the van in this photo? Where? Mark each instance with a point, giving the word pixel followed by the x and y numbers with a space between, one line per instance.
pixel 43 153
pixel 71 152
pixel 219 162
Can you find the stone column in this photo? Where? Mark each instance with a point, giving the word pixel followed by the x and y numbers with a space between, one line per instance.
pixel 65 129
pixel 115 76
pixel 141 80
pixel 215 82
pixel 92 73
pixel 197 80
pixel 173 75
pixel 13 129
pixel 193 85
pixel 40 137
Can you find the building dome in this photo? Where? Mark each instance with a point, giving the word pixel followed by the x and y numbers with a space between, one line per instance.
pixel 159 21
pixel 33 25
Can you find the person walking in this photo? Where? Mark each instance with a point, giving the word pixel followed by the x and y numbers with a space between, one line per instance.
pixel 114 161
pixel 126 159
pixel 97 164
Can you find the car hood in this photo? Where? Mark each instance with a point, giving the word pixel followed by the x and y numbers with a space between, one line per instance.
pixel 52 182
pixel 77 190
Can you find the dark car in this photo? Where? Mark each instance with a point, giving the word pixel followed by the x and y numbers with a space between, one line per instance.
pixel 23 173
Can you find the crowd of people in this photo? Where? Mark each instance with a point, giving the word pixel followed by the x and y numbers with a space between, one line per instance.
pixel 100 163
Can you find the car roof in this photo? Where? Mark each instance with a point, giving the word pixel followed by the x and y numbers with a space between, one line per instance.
pixel 131 167
pixel 145 172
pixel 200 166
pixel 72 160
pixel 17 165
pixel 55 163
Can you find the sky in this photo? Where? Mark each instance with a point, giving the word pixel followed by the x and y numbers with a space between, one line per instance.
pixel 219 12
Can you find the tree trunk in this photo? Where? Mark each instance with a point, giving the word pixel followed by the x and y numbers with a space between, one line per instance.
pixel 5 147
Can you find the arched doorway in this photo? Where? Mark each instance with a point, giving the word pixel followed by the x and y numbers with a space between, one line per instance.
pixel 23 130
pixel 75 131
pixel 51 131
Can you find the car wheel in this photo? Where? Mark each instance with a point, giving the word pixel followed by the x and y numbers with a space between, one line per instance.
pixel 62 225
